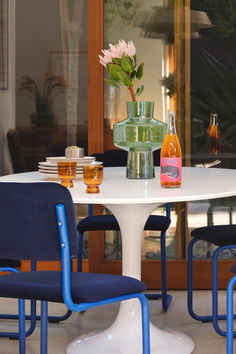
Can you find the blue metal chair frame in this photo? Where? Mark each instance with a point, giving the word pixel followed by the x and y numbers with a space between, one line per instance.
pixel 230 315
pixel 215 317
pixel 21 318
pixel 32 317
pixel 66 287
pixel 166 298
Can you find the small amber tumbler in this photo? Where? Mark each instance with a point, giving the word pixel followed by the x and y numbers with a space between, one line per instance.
pixel 66 171
pixel 93 175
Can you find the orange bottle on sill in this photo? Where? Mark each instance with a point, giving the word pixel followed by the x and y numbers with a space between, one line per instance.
pixel 210 124
pixel 171 156
pixel 214 136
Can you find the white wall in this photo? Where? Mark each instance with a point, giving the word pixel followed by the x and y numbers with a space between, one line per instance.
pixel 38 47
pixel 38 35
pixel 7 97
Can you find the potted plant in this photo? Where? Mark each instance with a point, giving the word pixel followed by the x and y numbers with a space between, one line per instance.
pixel 29 88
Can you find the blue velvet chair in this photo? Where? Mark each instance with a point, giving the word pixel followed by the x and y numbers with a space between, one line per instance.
pixel 223 236
pixel 37 222
pixel 230 309
pixel 154 223
pixel 116 158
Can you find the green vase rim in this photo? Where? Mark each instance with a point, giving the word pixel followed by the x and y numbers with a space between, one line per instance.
pixel 140 109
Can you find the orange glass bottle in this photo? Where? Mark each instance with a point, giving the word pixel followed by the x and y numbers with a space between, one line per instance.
pixel 171 156
pixel 214 136
pixel 210 124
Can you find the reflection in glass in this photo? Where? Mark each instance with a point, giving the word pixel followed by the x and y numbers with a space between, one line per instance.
pixel 51 38
pixel 163 35
pixel 156 51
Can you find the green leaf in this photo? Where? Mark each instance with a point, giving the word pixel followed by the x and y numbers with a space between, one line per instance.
pixel 116 61
pixel 113 83
pixel 140 71
pixel 133 74
pixel 139 90
pixel 124 78
pixel 135 60
pixel 127 64
pixel 114 70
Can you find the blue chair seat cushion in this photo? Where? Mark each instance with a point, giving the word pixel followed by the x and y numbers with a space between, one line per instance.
pixel 108 222
pixel 233 268
pixel 86 287
pixel 219 235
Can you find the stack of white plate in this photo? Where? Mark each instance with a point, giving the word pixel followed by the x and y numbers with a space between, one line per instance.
pixel 48 168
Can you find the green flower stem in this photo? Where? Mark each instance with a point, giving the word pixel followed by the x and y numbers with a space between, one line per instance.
pixel 131 90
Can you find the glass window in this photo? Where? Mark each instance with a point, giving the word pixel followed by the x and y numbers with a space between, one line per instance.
pixel 51 78
pixel 150 25
pixel 189 66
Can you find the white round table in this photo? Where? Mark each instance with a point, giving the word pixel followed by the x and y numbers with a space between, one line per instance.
pixel 132 201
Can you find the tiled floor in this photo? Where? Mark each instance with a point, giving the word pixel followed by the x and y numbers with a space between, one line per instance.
pixel 205 339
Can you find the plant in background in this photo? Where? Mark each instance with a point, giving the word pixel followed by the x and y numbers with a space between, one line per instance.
pixel 121 11
pixel 120 62
pixel 28 86
pixel 168 82
pixel 222 17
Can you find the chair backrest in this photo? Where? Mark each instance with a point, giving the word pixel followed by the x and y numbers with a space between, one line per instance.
pixel 112 158
pixel 28 221
pixel 117 158
pixel 15 151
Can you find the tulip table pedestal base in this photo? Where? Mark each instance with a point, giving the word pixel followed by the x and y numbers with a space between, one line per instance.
pixel 125 334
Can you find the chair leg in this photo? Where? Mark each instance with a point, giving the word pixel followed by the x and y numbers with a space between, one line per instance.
pixel 230 309
pixel 44 328
pixel 166 298
pixel 215 317
pixel 31 317
pixel 145 323
pixel 190 284
pixel 207 318
pixel 21 306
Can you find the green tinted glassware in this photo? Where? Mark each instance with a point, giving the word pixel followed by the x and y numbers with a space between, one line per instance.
pixel 140 135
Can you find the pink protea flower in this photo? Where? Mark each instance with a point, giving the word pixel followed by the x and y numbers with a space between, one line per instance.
pixel 116 51
pixel 125 48
pixel 120 62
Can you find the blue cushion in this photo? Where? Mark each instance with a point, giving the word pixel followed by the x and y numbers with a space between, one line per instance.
pixel 233 268
pixel 86 287
pixel 108 222
pixel 219 235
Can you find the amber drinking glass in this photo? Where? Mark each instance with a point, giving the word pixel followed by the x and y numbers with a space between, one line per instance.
pixel 66 171
pixel 93 175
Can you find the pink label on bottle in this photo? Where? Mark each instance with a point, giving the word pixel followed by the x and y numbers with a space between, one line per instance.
pixel 171 169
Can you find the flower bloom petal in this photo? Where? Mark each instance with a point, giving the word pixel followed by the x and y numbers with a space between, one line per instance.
pixel 116 51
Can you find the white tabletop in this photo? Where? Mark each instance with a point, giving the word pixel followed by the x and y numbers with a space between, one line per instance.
pixel 197 184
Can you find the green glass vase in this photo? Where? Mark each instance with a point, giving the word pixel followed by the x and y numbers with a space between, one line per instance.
pixel 140 135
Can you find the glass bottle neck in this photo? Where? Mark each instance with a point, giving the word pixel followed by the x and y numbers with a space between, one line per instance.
pixel 214 119
pixel 171 129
